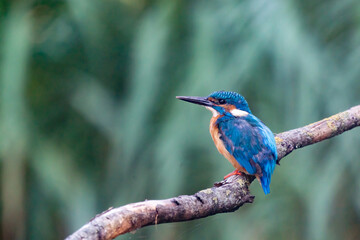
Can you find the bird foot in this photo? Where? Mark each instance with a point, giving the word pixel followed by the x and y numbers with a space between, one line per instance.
pixel 236 172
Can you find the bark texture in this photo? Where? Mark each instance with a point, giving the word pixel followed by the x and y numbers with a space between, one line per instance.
pixel 207 202
pixel 226 196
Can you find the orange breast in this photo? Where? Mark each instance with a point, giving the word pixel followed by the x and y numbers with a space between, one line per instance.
pixel 214 131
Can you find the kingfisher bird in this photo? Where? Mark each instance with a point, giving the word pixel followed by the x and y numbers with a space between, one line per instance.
pixel 240 136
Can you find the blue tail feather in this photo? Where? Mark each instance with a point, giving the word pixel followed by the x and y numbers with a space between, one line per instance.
pixel 265 179
pixel 265 183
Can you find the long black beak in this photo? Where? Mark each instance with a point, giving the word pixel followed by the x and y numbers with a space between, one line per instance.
pixel 197 100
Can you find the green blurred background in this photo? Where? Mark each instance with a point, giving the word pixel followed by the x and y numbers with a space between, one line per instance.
pixel 89 119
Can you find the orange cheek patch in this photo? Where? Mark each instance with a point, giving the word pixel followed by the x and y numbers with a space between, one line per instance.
pixel 228 107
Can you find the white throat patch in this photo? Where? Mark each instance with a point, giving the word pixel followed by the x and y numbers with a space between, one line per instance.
pixel 214 112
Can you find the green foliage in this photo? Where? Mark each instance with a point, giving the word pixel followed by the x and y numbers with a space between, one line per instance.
pixel 89 119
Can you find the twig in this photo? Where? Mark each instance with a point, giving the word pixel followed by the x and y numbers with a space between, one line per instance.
pixel 226 196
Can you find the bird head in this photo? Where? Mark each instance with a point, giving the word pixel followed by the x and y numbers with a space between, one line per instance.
pixel 221 103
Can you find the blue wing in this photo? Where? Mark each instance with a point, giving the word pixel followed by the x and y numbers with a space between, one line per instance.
pixel 252 144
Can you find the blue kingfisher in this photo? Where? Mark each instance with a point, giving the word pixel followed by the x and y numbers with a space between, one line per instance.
pixel 239 136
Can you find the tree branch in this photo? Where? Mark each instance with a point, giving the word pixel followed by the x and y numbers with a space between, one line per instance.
pixel 226 196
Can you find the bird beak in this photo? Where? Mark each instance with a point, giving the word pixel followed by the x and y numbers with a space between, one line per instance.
pixel 197 100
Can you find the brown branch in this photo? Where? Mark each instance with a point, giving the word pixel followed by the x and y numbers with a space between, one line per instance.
pixel 324 129
pixel 226 196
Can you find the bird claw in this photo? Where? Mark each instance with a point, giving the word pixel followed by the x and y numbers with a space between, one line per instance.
pixel 235 172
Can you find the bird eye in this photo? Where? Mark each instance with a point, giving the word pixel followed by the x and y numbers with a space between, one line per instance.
pixel 221 101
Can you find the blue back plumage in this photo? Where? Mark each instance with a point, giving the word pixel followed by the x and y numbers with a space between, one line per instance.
pixel 252 144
